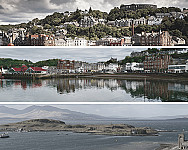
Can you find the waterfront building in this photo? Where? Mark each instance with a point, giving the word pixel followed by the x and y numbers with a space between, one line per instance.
pixel 153 39
pixel 41 40
pixel 3 71
pixel 64 41
pixel 133 67
pixel 111 67
pixel 178 68
pixel 157 63
pixel 80 42
pixel 66 66
pixel 36 70
pixel 127 41
pixel 117 42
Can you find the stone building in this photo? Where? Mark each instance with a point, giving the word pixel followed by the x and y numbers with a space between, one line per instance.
pixel 153 39
pixel 66 66
pixel 40 40
pixel 157 63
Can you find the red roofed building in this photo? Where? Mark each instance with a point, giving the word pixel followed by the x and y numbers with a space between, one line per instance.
pixel 22 69
pixel 36 70
pixel 15 70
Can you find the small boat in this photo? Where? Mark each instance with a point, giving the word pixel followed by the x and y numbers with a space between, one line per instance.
pixel 4 135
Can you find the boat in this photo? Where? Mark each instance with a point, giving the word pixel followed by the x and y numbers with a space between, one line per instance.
pixel 4 135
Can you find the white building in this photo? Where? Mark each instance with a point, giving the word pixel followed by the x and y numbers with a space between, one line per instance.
pixel 178 68
pixel 133 67
pixel 127 41
pixel 111 67
pixel 60 41
pixel 178 41
pixel 3 71
pixel 129 22
pixel 80 42
pixel 152 20
pixel 88 21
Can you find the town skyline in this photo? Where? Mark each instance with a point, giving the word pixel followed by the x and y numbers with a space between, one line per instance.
pixel 14 12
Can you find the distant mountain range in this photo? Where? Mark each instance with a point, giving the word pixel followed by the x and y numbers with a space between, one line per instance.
pixel 50 112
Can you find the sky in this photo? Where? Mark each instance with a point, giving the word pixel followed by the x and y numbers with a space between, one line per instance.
pixel 146 111
pixel 81 54
pixel 17 11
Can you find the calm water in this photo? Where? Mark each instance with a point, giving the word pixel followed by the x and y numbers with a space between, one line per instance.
pixel 92 90
pixel 82 141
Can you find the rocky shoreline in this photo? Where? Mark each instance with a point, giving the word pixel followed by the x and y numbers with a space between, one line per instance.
pixel 56 125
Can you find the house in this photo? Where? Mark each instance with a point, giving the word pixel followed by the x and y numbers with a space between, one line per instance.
pixel 129 22
pixel 111 23
pixel 152 20
pixel 36 70
pixel 88 21
pixel 175 15
pixel 178 41
pixel 127 41
pixel 75 23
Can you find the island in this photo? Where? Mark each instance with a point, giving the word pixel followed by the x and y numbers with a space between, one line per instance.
pixel 56 125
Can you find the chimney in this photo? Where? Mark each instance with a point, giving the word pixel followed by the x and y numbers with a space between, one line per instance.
pixel 132 28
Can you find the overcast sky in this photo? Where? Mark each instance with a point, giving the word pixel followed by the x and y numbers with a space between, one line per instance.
pixel 125 110
pixel 82 54
pixel 16 11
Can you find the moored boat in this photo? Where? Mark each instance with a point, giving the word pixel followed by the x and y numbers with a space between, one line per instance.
pixel 4 135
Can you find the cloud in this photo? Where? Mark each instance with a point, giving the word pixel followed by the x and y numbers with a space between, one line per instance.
pixel 28 9
pixel 81 54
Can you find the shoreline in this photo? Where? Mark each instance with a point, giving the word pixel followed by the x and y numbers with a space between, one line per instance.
pixel 126 76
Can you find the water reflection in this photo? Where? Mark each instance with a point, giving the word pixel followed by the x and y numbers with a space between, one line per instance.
pixel 143 89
